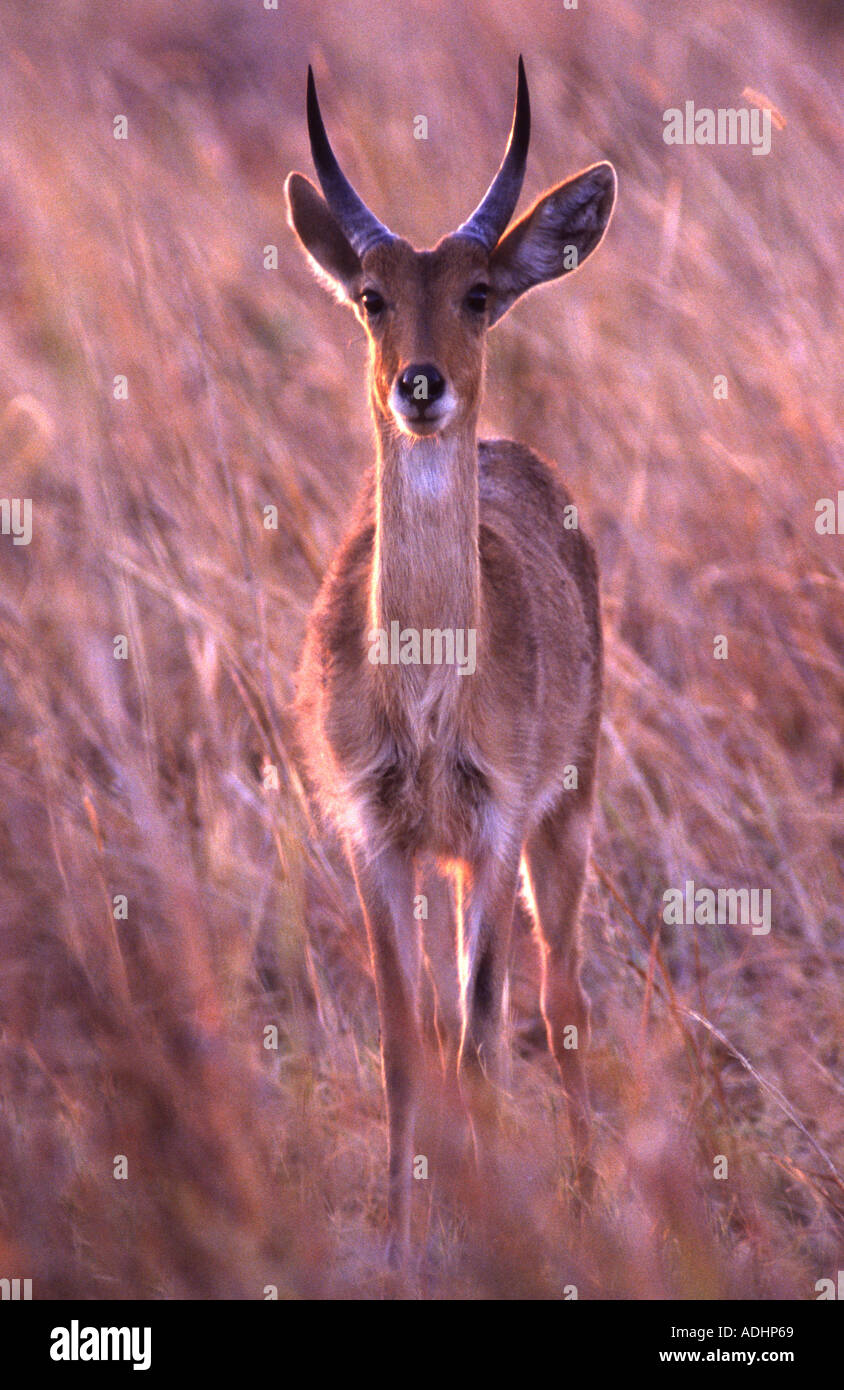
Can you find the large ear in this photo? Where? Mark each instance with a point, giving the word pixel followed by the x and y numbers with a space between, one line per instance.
pixel 555 236
pixel 329 252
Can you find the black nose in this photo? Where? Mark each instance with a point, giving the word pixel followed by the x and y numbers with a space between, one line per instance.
pixel 421 382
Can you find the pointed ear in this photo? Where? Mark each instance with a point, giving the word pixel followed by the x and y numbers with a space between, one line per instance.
pixel 555 236
pixel 331 256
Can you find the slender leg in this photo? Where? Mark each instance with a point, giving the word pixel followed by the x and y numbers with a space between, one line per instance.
pixel 385 886
pixel 485 902
pixel 440 1005
pixel 485 920
pixel 555 859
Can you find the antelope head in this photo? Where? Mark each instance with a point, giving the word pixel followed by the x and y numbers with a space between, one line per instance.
pixel 427 313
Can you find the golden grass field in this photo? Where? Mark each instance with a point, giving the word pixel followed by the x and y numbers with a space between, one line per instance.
pixel 151 777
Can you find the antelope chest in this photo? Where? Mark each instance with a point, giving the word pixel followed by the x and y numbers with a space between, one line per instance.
pixel 433 799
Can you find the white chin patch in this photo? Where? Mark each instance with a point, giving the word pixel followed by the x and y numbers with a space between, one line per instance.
pixel 429 464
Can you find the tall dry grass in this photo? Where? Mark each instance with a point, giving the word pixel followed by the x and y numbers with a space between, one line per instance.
pixel 153 777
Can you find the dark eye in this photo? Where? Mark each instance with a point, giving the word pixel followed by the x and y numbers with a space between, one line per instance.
pixel 372 302
pixel 476 299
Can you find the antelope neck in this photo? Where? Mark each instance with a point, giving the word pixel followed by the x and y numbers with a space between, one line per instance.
pixel 426 571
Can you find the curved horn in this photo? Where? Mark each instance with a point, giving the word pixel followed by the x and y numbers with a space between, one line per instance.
pixel 360 226
pixel 498 204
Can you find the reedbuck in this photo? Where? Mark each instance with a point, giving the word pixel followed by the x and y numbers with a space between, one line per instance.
pixel 455 772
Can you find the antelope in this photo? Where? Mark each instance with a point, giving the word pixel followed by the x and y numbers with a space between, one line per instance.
pixel 427 766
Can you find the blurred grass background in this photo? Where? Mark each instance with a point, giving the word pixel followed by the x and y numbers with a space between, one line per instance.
pixel 169 777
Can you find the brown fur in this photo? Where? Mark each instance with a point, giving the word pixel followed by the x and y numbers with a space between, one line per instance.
pixel 419 765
